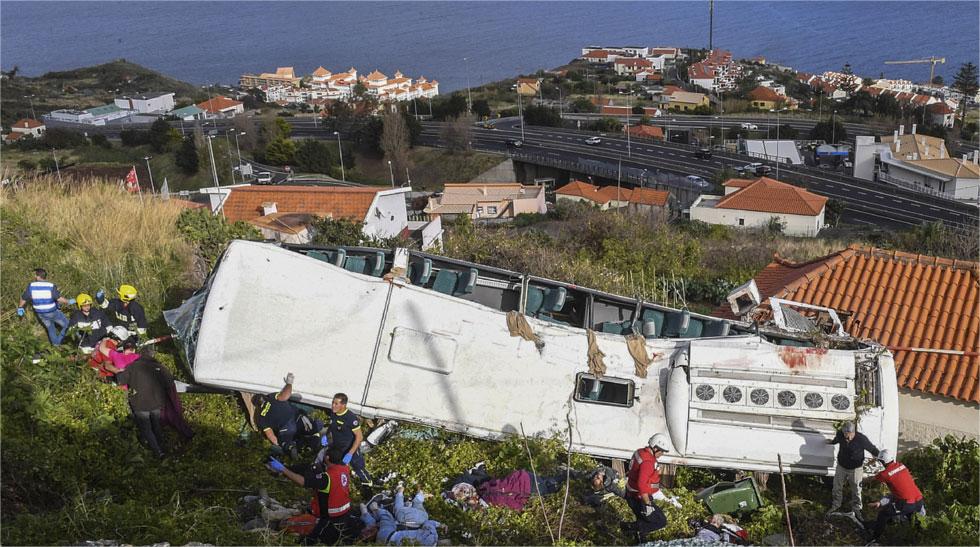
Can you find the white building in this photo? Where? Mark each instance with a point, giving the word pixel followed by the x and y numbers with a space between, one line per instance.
pixel 783 151
pixel 100 115
pixel 917 162
pixel 25 127
pixel 147 103
pixel 754 203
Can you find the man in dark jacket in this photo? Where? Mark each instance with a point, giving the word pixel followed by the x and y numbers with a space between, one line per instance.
pixel 850 466
pixel 148 384
pixel 89 323
pixel 604 484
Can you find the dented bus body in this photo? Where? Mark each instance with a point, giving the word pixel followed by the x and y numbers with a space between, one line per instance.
pixel 438 341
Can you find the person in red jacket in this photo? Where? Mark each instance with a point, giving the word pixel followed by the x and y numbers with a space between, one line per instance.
pixel 643 486
pixel 335 526
pixel 904 497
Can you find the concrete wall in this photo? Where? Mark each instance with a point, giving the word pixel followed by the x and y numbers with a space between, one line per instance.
pixel 796 225
pixel 388 215
pixel 923 417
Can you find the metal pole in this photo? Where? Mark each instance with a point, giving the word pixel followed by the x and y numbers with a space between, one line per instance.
pixel 782 479
pixel 629 148
pixel 778 160
pixel 520 112
pixel 153 189
pixel 408 178
pixel 30 98
pixel 214 170
pixel 392 173
pixel 469 96
pixel 239 150
pixel 561 114
pixel 56 166
pixel 833 128
pixel 232 167
pixel 340 152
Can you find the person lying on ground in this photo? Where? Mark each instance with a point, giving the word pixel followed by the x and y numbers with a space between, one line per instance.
pixel 512 491
pixel 407 523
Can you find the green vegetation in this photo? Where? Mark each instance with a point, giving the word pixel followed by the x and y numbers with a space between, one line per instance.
pixel 72 469
pixel 83 88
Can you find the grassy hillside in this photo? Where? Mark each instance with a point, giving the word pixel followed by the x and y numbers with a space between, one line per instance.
pixel 83 88
pixel 72 469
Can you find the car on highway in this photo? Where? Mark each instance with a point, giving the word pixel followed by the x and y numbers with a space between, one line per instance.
pixel 748 168
pixel 593 140
pixel 750 126
pixel 697 182
pixel 703 153
pixel 763 170
pixel 516 143
pixel 263 177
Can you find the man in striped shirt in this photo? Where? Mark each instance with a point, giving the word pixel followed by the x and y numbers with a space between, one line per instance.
pixel 44 298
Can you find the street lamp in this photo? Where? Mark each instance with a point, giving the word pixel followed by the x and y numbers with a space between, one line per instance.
pixel 239 150
pixel 520 110
pixel 833 128
pixel 30 99
pixel 629 149
pixel 214 170
pixel 392 173
pixel 469 96
pixel 153 189
pixel 340 152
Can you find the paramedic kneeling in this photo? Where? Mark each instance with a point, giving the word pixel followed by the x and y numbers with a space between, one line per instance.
pixel 904 497
pixel 331 481
pixel 643 486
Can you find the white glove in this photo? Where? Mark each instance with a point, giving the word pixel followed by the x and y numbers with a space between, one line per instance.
pixel 658 495
pixel 648 510
pixel 289 378
pixel 673 501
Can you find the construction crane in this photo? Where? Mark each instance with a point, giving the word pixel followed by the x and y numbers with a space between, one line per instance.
pixel 931 60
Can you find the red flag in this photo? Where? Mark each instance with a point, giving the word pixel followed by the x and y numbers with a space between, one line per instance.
pixel 132 183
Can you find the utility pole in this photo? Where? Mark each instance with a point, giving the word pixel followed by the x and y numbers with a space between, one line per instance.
pixel 214 170
pixel 711 24
pixel 153 189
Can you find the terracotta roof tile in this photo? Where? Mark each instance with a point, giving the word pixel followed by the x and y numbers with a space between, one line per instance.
pixel 27 123
pixel 647 131
pixel 216 105
pixel 245 203
pixel 649 196
pixel 763 93
pixel 599 195
pixel 905 301
pixel 772 196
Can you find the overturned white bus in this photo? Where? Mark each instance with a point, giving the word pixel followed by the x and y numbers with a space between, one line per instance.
pixel 486 352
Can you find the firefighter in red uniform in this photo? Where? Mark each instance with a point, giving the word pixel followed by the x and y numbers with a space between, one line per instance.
pixel 331 482
pixel 643 486
pixel 904 498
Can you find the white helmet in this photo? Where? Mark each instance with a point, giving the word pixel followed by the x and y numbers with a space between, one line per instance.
pixel 119 332
pixel 885 456
pixel 659 440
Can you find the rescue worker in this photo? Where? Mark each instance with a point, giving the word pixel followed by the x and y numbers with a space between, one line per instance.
pixel 904 498
pixel 345 434
pixel 850 466
pixel 44 298
pixel 409 524
pixel 91 324
pixel 281 422
pixel 643 486
pixel 331 482
pixel 125 311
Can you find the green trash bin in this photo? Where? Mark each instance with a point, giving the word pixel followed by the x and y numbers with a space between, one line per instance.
pixel 732 497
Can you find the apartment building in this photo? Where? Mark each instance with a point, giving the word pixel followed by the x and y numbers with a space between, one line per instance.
pixel 284 75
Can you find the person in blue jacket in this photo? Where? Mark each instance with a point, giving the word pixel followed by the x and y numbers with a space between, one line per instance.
pixel 44 298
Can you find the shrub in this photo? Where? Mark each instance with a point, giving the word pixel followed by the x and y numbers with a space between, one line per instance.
pixel 211 233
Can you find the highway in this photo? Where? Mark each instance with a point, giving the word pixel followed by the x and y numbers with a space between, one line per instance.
pixel 866 202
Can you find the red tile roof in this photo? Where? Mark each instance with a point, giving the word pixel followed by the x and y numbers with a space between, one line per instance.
pixel 738 183
pixel 904 301
pixel 940 108
pixel 245 203
pixel 649 196
pixel 634 62
pixel 27 123
pixel 700 71
pixel 216 105
pixel 599 195
pixel 772 196
pixel 763 93
pixel 647 131
pixel 597 54
pixel 921 99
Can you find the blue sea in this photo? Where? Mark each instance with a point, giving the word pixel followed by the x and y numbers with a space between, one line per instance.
pixel 214 42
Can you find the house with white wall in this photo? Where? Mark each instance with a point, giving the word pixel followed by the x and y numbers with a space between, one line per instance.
pixel 754 203
pixel 147 103
pixel 25 127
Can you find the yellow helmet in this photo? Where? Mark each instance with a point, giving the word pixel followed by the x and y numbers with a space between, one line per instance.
pixel 127 292
pixel 83 299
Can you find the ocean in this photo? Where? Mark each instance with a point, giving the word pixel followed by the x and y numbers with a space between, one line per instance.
pixel 215 42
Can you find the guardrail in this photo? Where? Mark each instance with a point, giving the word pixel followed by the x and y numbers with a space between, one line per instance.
pixel 883 177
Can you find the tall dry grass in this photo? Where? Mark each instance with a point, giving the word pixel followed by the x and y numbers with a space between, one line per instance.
pixel 90 234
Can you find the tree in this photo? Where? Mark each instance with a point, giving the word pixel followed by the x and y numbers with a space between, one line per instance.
pixel 26 165
pixel 100 140
pixel 848 83
pixel 835 208
pixel 185 157
pixel 313 156
pixel 159 135
pixel 638 109
pixel 131 137
pixel 542 115
pixel 583 104
pixel 609 125
pixel 481 108
pixel 938 80
pixel 827 132
pixel 967 82
pixel 887 105
pixel 457 134
pixel 448 108
pixel 280 151
pixel 395 141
